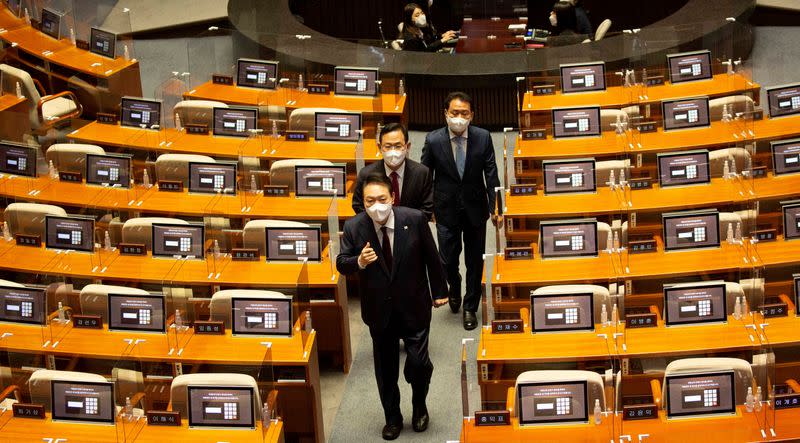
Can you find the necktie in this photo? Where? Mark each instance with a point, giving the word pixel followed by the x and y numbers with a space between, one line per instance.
pixel 387 247
pixel 460 157
pixel 396 187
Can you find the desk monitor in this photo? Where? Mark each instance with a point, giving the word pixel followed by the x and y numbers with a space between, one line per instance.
pixel 320 181
pixel 108 170
pixel 138 112
pixel 136 313
pixel 360 82
pixel 689 66
pixel 293 244
pixel 221 406
pixel 253 73
pixel 235 122
pixel 785 156
pixel 553 402
pixel 691 230
pixel 791 219
pixel 211 178
pixel 103 43
pixel 583 77
pixel 683 168
pixel 570 238
pixel 23 305
pixel 51 23
pixel 784 100
pixel 576 122
pixel 701 303
pixel 262 316
pixel 337 126
pixel 71 232
pixel 184 240
pixel 83 401
pixel 685 113
pixel 562 312
pixel 569 176
pixel 17 159
pixel 711 393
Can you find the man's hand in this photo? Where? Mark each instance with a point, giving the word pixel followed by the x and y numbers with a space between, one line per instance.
pixel 440 302
pixel 497 219
pixel 367 256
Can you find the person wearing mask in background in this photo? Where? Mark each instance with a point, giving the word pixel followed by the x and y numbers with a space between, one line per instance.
pixel 462 161
pixel 565 25
pixel 400 278
pixel 419 35
pixel 583 25
pixel 411 181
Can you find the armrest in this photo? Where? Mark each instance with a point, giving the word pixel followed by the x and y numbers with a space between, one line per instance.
pixel 654 310
pixel 68 94
pixel 39 87
pixel 138 397
pixel 785 298
pixel 655 387
pixel 9 390
pixel 510 400
pixel 793 384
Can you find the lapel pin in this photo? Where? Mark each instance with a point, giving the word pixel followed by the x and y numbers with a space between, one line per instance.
pixel 405 227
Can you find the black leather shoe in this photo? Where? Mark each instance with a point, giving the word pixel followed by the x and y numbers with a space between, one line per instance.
pixel 455 303
pixel 420 419
pixel 392 430
pixel 470 321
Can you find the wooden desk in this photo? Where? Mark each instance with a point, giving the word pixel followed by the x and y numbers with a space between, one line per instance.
pixel 553 271
pixel 672 264
pixel 777 253
pixel 15 119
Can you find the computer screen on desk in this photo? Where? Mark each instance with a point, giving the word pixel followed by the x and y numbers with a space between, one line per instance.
pixel 576 122
pixel 700 303
pixel 685 113
pixel 22 305
pixel 72 233
pixel 355 81
pixel 139 112
pixel 262 316
pixel 51 23
pixel 583 77
pixel 784 100
pixel 17 159
pixel 103 43
pixel 710 393
pixel 570 238
pixel 690 230
pixel 337 126
pixel 683 168
pixel 136 313
pixel 235 122
pixel 221 406
pixel 320 181
pixel 785 156
pixel 791 219
pixel 567 176
pixel 83 401
pixel 541 403
pixel 108 170
pixel 211 178
pixel 689 66
pixel 562 312
pixel 256 73
pixel 178 240
pixel 293 244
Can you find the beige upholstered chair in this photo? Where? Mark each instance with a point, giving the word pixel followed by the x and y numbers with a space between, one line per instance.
pixel 603 170
pixel 602 29
pixel 44 111
pixel 10 284
pixel 281 172
pixel 175 167
pixel 29 218
pixel 743 373
pixel 254 234
pixel 718 157
pixel 179 391
pixel 220 305
pixel 71 157
pixel 736 104
pixel 39 383
pixel 140 230
pixel 94 298
pixel 601 295
pixel 197 112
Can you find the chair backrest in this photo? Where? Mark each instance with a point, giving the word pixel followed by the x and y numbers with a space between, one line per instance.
pixel 29 218
pixel 197 112
pixel 608 118
pixel 743 373
pixel 397 44
pixel 302 119
pixel 601 296
pixel 718 157
pixel 254 235
pixel 602 29
pixel 220 305
pixel 71 157
pixel 603 234
pixel 603 170
pixel 10 283
pixel 281 172
pixel 10 77
pixel 175 167
pixel 94 298
pixel 736 104
pixel 140 230
pixel 39 383
pixel 179 391
pixel 594 384
pixel 128 382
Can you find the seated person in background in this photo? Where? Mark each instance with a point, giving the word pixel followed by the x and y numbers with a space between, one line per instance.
pixel 565 25
pixel 584 26
pixel 419 35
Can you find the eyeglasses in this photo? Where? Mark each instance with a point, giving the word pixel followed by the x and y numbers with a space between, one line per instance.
pixel 395 147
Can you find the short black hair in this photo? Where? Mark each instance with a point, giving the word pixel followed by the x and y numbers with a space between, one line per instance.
pixel 463 96
pixel 377 178
pixel 565 17
pixel 391 127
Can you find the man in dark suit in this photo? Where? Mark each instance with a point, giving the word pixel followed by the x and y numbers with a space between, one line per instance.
pixel 461 158
pixel 401 277
pixel 411 181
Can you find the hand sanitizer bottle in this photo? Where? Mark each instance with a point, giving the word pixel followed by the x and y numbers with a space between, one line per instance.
pixel 6 232
pixel 309 327
pixel 300 83
pixel 107 241
pixel 614 315
pixel 598 413
pixel 253 185
pixel 401 88
pixel 62 316
pixel 146 180
pixel 611 180
pixel 128 408
pixel 759 397
pixel 275 129
pixel 738 234
pixel 737 309
pixel 126 53
pixel 729 234
pixel 178 319
pixel 19 91
pixel 178 124
pixel 266 417
pixel 604 316
pixel 217 252
pixel 52 170
pixel 749 400
pixel 726 170
pixel 616 241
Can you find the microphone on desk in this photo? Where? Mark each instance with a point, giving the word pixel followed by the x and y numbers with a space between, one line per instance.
pixel 383 37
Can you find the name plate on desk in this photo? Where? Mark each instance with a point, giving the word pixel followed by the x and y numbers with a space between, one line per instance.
pixel 519 253
pixel 512 326
pixel 523 189
pixel 641 320
pixel 296 136
pixel 245 254
pixel 82 44
pixel 220 79
pixel 28 240
pixel 544 90
pixel 534 134
pixel 759 171
pixel 72 177
pixel 640 412
pixel 109 119
pixel 163 418
pixel 644 127
pixel 764 235
pixel 87 321
pixel 318 89
pixel 787 401
pixel 132 249
pixel 641 183
pixel 196 129
pixel 492 418
pixel 170 186
pixel 276 191
pixel 642 246
pixel 655 80
pixel 774 307
pixel 209 327
pixel 28 410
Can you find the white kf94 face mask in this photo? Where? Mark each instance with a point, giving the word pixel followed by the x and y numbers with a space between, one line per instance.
pixel 394 157
pixel 379 212
pixel 457 124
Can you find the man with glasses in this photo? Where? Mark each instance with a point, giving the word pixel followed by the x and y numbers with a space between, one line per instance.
pixel 461 158
pixel 411 181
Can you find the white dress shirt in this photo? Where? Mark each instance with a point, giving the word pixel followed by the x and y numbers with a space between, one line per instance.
pixel 400 171
pixel 389 230
pixel 453 144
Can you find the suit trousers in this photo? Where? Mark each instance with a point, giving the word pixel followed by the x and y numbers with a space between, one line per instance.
pixel 474 238
pixel 417 371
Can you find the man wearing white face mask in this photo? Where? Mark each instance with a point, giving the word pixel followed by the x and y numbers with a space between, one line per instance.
pixel 411 181
pixel 400 278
